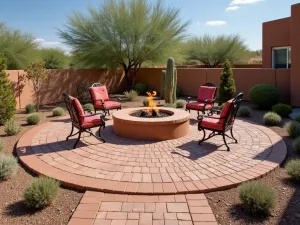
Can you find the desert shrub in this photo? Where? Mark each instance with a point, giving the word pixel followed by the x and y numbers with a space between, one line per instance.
pixel 7 95
pixel 88 107
pixel 33 119
pixel 296 145
pixel 8 167
pixel 264 95
pixel 293 129
pixel 30 108
pixel 244 111
pixel 293 169
pixel 297 118
pixel 282 110
pixel 11 127
pixel 256 197
pixel 180 103
pixel 58 111
pixel 272 119
pixel 141 88
pixel 146 102
pixel 1 144
pixel 41 192
pixel 169 105
pixel 131 95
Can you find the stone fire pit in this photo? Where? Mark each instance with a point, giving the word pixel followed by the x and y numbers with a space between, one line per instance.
pixel 154 129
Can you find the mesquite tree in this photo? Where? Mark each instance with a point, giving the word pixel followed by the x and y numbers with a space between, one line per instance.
pixel 124 33
pixel 227 85
pixel 37 74
pixel 213 51
pixel 18 48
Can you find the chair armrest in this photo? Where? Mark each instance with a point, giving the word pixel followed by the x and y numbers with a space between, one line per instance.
pixel 188 99
pixel 214 111
pixel 209 99
pixel 201 117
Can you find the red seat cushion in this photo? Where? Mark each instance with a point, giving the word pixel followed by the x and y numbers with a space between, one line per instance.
pixel 91 121
pixel 211 124
pixel 108 105
pixel 99 93
pixel 206 93
pixel 197 106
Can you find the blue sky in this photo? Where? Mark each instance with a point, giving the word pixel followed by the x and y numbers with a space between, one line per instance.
pixel 244 17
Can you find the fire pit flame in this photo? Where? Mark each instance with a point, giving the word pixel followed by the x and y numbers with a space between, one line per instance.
pixel 152 109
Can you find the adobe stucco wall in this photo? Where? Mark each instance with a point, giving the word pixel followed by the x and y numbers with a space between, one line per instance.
pixel 60 81
pixel 295 49
pixel 276 33
pixel 189 80
pixel 280 33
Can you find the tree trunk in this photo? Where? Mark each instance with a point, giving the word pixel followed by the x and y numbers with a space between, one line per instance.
pixel 136 69
pixel 127 86
pixel 38 101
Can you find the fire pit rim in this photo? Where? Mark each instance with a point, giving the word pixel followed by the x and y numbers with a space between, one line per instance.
pixel 177 117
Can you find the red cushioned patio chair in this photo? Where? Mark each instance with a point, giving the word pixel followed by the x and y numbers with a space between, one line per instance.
pixel 205 99
pixel 83 122
pixel 219 122
pixel 101 99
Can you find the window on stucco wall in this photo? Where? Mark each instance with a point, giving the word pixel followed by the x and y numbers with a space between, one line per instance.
pixel 281 58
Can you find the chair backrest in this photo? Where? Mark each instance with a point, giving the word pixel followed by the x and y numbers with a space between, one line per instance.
pixel 75 109
pixel 207 91
pixel 99 93
pixel 230 110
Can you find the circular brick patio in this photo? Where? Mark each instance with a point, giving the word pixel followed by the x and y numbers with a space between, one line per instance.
pixel 147 167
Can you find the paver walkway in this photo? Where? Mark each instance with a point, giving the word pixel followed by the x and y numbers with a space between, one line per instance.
pixel 144 167
pixel 113 209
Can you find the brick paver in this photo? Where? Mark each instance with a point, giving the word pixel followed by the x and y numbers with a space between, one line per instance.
pixel 146 167
pixel 143 210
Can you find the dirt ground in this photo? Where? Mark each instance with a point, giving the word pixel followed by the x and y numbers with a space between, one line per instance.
pixel 225 204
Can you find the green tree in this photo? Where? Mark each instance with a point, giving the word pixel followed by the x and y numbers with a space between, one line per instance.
pixel 37 74
pixel 7 97
pixel 227 86
pixel 125 33
pixel 214 51
pixel 18 48
pixel 54 58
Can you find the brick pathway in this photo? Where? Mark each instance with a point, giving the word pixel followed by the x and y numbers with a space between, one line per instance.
pixel 113 209
pixel 144 167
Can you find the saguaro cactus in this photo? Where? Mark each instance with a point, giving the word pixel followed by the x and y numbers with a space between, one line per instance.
pixel 162 84
pixel 170 82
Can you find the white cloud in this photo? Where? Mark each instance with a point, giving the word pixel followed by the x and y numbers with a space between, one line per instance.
pixel 52 44
pixel 232 8
pixel 215 23
pixel 42 41
pixel 198 23
pixel 244 2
